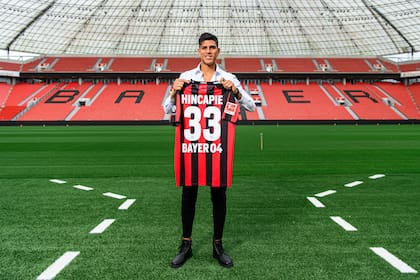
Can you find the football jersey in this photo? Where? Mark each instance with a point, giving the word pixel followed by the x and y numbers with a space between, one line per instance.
pixel 205 117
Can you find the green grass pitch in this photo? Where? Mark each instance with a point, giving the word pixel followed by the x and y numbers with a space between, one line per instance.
pixel 272 231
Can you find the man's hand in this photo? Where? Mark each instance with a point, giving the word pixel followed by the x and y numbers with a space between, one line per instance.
pixel 178 84
pixel 227 84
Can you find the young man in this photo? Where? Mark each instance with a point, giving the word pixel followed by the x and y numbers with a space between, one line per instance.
pixel 209 73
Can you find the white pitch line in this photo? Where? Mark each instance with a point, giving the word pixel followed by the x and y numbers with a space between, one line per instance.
pixel 393 260
pixel 57 181
pixel 83 188
pixel 58 266
pixel 102 226
pixel 325 193
pixel 376 176
pixel 341 222
pixel 114 195
pixel 315 202
pixel 353 184
pixel 126 204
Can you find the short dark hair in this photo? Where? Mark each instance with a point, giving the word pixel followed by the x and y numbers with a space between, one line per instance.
pixel 207 36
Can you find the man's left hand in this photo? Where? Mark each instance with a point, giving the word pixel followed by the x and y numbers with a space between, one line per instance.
pixel 227 84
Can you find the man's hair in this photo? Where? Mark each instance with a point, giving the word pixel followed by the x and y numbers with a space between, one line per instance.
pixel 207 36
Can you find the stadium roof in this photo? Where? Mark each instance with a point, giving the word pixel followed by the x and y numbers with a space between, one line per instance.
pixel 244 28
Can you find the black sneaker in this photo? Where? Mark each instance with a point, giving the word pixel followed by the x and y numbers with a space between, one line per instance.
pixel 185 252
pixel 220 255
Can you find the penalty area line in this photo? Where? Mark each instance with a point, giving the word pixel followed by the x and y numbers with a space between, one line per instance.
pixel 102 226
pixel 316 202
pixel 353 184
pixel 393 260
pixel 126 204
pixel 58 266
pixel 57 181
pixel 322 194
pixel 376 176
pixel 114 195
pixel 83 188
pixel 341 222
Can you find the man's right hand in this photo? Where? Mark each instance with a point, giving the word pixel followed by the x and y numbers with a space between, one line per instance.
pixel 177 85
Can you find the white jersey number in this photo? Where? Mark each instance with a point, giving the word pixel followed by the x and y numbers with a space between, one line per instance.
pixel 212 114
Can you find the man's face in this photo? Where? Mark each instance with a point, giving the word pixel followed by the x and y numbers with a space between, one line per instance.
pixel 208 52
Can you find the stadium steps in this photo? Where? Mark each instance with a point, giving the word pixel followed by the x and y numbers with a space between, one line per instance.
pixel 367 103
pixel 393 102
pixel 4 89
pixel 327 93
pixel 413 98
pixel 385 99
pixel 32 96
pixel 6 96
pixel 258 114
pixel 348 109
pixel 259 109
pixel 44 96
pixel 76 103
pixel 401 94
pixel 95 94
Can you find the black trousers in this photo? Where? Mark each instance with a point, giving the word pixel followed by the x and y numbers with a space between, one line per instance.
pixel 189 198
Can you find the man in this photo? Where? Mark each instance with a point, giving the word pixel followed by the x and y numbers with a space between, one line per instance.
pixel 210 73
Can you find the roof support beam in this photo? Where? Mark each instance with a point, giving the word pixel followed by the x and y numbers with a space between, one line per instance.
pixel 377 13
pixel 29 24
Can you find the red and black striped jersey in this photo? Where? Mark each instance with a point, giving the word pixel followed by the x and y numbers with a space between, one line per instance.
pixel 206 115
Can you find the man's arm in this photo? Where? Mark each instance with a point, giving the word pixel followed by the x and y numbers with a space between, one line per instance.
pixel 169 104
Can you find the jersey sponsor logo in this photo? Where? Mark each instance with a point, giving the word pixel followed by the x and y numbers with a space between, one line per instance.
pixel 231 108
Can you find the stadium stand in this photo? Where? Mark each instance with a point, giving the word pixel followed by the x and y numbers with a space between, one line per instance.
pixel 181 64
pixel 74 64
pixel 129 64
pixel 243 64
pixel 125 102
pixel 9 66
pixel 284 88
pixel 55 104
pixel 22 96
pixel 293 65
pixel 403 98
pixel 300 102
pixel 406 67
pixel 366 103
pixel 276 101
pixel 349 65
